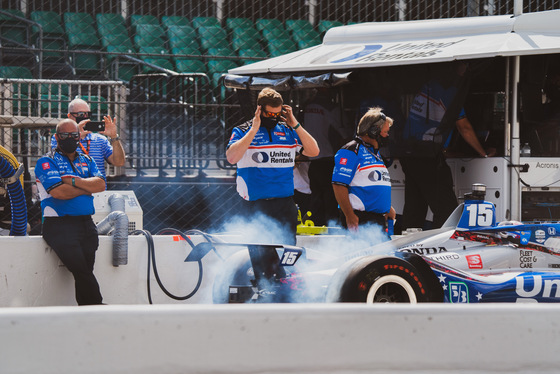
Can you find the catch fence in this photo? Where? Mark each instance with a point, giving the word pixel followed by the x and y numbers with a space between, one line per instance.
pixel 164 83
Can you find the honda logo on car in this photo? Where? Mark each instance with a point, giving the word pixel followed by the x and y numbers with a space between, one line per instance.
pixel 424 251
pixel 534 287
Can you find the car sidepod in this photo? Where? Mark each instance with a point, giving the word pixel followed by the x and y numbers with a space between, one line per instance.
pixel 463 287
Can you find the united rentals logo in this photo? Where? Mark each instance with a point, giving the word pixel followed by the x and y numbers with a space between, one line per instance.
pixel 260 157
pixel 368 49
pixel 377 175
pixel 376 52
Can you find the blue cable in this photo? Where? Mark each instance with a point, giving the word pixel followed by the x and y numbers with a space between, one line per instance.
pixel 17 200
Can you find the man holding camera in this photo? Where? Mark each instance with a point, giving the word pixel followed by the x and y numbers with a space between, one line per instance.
pixel 94 144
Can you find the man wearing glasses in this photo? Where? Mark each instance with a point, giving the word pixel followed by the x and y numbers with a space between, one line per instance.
pixel 66 180
pixel 264 150
pixel 99 147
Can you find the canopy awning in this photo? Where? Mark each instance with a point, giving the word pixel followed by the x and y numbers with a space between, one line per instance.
pixel 376 44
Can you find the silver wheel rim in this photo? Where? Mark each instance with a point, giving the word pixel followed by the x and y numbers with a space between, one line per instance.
pixel 391 279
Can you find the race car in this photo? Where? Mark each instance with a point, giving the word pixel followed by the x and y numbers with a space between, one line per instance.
pixel 471 259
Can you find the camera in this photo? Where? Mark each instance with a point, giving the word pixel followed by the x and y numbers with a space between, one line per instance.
pixel 94 126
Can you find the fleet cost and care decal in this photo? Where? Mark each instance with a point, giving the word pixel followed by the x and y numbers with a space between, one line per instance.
pixel 526 259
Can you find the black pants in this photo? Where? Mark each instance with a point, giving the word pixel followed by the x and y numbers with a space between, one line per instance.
pixel 283 211
pixel 74 239
pixel 364 218
pixel 428 182
pixel 324 206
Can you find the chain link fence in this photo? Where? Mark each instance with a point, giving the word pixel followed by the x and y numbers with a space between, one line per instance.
pixel 158 66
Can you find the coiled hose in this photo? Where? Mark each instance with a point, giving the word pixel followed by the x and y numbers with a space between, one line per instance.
pixel 152 260
pixel 8 168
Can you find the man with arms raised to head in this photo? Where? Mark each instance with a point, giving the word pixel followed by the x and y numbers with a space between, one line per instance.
pixel 66 180
pixel 264 150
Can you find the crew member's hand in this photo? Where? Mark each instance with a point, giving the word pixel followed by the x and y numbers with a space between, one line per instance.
pixel 288 116
pixel 392 214
pixel 110 127
pixel 352 222
pixel 491 152
pixel 257 119
pixel 83 133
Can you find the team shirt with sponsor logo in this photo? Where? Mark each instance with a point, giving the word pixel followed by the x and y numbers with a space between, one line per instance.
pixel 266 169
pixel 427 111
pixel 49 172
pixel 359 167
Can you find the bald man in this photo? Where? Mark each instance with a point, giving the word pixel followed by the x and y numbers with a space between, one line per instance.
pixel 66 180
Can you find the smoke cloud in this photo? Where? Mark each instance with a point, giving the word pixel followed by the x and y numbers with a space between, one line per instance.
pixel 325 251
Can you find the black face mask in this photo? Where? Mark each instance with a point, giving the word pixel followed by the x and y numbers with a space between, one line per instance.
pixel 81 118
pixel 269 123
pixel 68 145
pixel 382 141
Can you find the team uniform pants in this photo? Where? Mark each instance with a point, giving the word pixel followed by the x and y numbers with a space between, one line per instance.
pixel 365 218
pixel 283 211
pixel 74 239
pixel 323 202
pixel 428 182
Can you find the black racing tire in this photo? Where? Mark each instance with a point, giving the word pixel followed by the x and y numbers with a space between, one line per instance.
pixel 236 270
pixel 383 280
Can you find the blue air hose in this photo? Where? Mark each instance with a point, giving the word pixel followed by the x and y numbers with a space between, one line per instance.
pixel 8 169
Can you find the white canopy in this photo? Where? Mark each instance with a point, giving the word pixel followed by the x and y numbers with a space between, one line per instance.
pixel 417 42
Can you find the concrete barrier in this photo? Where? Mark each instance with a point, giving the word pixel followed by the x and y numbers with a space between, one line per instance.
pixel 280 338
pixel 32 275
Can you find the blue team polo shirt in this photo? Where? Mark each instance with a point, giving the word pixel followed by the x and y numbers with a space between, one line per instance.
pixel 96 146
pixel 49 172
pixel 427 111
pixel 359 167
pixel 266 170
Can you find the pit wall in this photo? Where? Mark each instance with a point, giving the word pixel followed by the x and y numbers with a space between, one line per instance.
pixel 32 275
pixel 281 338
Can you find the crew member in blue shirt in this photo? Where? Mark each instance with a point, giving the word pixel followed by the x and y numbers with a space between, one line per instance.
pixel 66 180
pixel 102 146
pixel 428 178
pixel 264 150
pixel 361 182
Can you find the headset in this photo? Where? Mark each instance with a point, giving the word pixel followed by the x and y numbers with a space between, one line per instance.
pixel 375 129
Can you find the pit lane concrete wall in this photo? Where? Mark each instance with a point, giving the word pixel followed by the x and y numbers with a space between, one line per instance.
pixel 32 275
pixel 281 338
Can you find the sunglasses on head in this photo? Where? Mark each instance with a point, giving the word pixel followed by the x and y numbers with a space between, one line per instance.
pixel 271 114
pixel 65 135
